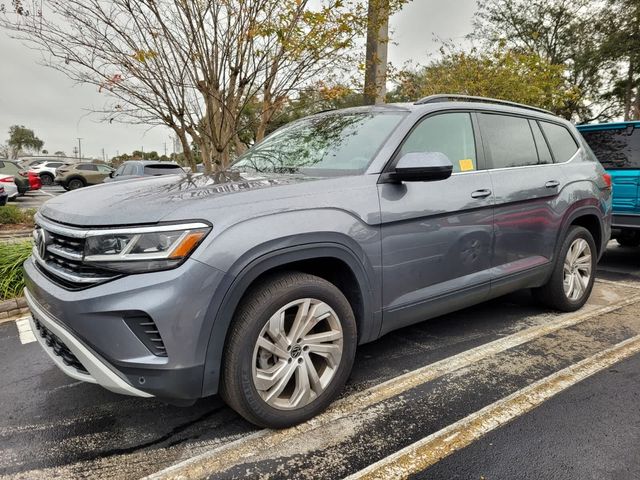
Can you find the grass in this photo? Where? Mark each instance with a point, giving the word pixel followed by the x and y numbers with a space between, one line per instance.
pixel 12 215
pixel 12 256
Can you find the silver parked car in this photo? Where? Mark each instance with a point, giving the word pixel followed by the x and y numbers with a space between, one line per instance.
pixel 259 282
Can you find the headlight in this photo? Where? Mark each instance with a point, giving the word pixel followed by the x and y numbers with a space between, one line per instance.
pixel 144 249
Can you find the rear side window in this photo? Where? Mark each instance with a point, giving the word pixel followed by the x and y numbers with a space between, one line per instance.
pixel 544 154
pixel 90 168
pixel 54 165
pixel 616 148
pixel 161 169
pixel 562 143
pixel 508 141
pixel 448 133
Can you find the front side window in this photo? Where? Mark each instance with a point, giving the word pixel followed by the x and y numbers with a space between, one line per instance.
pixel 129 169
pixel 448 133
pixel 329 144
pixel 104 169
pixel 563 145
pixel 617 148
pixel 508 141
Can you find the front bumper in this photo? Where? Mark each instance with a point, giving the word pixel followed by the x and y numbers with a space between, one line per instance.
pixel 94 324
pixel 96 369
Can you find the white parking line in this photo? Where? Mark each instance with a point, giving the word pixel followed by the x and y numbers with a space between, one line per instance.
pixel 439 445
pixel 25 332
pixel 221 458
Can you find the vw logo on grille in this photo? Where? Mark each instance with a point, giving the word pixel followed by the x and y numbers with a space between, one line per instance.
pixel 41 240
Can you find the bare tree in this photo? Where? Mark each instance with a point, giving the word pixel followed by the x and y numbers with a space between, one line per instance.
pixel 188 64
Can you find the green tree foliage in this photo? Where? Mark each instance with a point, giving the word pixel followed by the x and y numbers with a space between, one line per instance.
pixel 560 32
pixel 21 138
pixel 502 74
pixel 621 25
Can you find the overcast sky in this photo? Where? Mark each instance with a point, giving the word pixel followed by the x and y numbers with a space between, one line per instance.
pixel 56 108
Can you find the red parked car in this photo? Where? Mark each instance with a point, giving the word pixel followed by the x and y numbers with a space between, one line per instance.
pixel 34 181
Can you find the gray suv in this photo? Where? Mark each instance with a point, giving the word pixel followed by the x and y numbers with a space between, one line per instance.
pixel 258 283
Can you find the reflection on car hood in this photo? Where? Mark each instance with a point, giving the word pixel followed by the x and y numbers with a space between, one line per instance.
pixel 148 200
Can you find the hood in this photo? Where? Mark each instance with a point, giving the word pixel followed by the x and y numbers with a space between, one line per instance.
pixel 149 200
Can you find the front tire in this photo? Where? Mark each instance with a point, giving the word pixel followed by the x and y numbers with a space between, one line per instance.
pixel 290 350
pixel 573 276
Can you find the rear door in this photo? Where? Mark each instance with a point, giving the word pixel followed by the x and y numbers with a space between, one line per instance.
pixel 618 149
pixel 526 183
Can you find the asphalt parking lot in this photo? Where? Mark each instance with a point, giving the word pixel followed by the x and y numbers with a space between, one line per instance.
pixel 35 199
pixel 505 390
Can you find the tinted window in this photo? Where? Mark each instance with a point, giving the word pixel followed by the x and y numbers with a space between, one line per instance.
pixel 129 169
pixel 161 169
pixel 562 143
pixel 544 154
pixel 508 141
pixel 616 148
pixel 329 144
pixel 91 168
pixel 449 133
pixel 9 168
pixel 54 165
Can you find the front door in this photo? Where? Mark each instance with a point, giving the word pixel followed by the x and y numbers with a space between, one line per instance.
pixel 437 236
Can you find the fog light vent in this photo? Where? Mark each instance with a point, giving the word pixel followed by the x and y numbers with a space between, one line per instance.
pixel 146 330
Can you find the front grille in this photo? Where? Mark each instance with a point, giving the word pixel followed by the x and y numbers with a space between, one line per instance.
pixel 59 348
pixel 146 330
pixel 59 252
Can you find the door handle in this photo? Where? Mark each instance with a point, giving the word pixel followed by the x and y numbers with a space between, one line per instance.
pixel 552 184
pixel 481 193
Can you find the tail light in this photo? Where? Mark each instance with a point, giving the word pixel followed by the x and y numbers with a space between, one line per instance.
pixel 607 180
pixel 7 179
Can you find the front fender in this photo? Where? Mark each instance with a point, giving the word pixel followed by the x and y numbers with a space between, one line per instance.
pixel 267 257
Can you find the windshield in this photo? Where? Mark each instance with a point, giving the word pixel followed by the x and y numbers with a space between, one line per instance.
pixel 330 144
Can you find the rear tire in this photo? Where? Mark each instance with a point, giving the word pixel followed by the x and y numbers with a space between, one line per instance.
pixel 573 275
pixel 75 183
pixel 46 179
pixel 309 331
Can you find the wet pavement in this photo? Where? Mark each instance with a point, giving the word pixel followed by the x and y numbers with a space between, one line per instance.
pixel 437 374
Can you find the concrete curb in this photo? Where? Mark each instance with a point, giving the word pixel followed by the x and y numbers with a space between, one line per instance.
pixel 9 309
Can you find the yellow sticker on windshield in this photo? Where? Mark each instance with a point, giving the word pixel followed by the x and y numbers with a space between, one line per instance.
pixel 466 165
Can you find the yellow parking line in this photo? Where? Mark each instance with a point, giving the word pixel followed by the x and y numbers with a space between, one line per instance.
pixel 242 450
pixel 430 450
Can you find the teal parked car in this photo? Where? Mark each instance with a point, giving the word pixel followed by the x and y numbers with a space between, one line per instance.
pixel 617 146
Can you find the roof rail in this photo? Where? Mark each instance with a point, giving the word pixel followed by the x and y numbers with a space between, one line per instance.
pixel 468 98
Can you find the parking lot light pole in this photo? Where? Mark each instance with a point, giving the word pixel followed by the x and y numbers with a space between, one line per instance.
pixel 79 149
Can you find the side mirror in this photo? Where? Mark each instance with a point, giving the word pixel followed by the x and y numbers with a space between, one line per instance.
pixel 423 167
pixel 112 173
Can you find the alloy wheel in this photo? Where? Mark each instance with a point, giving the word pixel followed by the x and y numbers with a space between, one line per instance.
pixel 297 354
pixel 577 269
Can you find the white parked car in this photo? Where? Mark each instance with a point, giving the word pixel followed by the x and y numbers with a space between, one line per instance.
pixel 47 170
pixel 10 187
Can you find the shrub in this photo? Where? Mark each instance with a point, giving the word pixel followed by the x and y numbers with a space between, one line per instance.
pixel 10 214
pixel 12 256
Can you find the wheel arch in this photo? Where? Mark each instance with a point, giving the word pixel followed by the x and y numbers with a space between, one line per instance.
pixel 589 217
pixel 326 260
